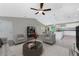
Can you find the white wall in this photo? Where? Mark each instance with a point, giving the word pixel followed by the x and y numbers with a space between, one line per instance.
pixel 68 33
pixel 20 25
pixel 72 33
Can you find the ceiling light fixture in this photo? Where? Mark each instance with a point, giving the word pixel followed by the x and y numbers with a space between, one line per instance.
pixel 41 10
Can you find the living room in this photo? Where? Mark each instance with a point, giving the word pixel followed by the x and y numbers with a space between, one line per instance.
pixel 53 25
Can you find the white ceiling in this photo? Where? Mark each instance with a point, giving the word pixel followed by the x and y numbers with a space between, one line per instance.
pixel 59 13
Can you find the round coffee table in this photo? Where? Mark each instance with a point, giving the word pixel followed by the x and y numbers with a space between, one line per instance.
pixel 37 51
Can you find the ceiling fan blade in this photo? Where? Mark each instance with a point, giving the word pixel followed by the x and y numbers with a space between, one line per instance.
pixel 36 12
pixel 47 9
pixel 43 13
pixel 33 9
pixel 41 5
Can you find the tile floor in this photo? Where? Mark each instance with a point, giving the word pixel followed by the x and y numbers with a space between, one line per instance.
pixel 61 48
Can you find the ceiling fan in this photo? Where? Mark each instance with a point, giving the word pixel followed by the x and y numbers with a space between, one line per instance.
pixel 41 9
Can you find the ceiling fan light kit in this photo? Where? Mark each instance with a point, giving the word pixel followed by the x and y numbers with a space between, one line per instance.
pixel 41 10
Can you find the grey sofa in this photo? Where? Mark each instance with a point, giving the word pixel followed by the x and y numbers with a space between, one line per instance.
pixel 1 42
pixel 49 38
pixel 20 38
